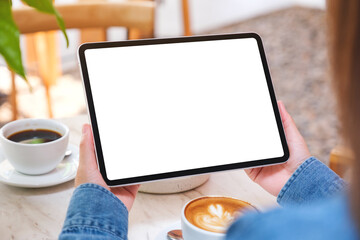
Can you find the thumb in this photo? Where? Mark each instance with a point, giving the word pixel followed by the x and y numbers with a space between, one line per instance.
pixel 87 153
pixel 296 142
pixel 288 122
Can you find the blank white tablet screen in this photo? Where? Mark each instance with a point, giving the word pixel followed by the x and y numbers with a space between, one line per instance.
pixel 170 107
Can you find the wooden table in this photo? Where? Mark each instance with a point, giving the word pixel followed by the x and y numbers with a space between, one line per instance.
pixel 40 213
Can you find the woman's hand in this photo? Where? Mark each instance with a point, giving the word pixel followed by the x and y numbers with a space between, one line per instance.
pixel 88 171
pixel 273 178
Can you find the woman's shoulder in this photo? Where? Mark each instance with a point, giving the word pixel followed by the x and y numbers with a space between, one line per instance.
pixel 327 219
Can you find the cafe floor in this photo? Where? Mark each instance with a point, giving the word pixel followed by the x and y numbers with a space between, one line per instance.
pixel 295 44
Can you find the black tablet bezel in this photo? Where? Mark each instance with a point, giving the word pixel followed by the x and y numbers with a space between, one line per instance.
pixel 140 179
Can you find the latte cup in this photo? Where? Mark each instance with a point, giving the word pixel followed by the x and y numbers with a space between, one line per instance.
pixel 208 217
pixel 34 159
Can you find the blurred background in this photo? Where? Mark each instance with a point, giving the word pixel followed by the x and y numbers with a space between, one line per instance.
pixel 294 36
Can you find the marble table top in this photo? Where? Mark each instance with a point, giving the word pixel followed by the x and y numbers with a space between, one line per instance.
pixel 39 213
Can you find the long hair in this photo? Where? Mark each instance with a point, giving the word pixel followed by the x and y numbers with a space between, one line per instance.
pixel 344 49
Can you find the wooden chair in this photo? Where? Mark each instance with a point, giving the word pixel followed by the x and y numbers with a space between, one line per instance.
pixel 138 15
pixel 185 15
pixel 133 33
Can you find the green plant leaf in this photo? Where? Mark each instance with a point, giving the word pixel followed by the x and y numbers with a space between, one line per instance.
pixel 46 6
pixel 9 39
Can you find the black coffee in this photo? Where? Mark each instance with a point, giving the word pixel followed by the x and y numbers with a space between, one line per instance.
pixel 35 136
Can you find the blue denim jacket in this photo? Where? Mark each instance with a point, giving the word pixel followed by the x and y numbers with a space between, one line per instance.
pixel 313 200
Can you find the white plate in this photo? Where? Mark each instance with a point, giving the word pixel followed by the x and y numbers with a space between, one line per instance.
pixel 64 172
pixel 163 234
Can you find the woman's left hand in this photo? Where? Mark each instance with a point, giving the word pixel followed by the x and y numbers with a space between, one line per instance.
pixel 88 171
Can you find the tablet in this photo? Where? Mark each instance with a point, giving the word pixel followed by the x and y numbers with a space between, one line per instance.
pixel 163 108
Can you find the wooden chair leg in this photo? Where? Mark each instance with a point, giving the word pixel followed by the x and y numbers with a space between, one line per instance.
pixel 92 35
pixel 48 99
pixel 31 60
pixel 49 62
pixel 53 57
pixel 13 100
pixel 133 34
pixel 186 18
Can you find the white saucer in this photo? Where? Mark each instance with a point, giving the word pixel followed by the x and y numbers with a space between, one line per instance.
pixel 163 234
pixel 64 172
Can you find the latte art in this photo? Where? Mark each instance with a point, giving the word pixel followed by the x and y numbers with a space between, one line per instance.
pixel 215 214
pixel 216 219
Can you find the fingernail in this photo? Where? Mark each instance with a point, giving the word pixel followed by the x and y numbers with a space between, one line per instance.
pixel 84 129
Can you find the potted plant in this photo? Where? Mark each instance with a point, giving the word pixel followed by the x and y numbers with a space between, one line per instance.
pixel 10 35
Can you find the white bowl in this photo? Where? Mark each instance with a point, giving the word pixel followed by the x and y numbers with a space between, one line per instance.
pixel 174 185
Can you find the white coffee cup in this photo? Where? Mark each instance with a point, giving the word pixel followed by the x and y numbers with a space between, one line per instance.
pixel 204 206
pixel 34 159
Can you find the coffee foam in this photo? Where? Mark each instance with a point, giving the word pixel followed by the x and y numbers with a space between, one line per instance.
pixel 214 214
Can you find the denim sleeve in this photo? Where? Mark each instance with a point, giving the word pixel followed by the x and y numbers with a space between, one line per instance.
pixel 95 213
pixel 312 181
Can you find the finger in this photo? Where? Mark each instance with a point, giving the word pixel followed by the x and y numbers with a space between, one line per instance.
pixel 248 172
pixel 134 189
pixel 253 173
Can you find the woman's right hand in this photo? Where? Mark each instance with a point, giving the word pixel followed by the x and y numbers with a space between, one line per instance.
pixel 273 178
